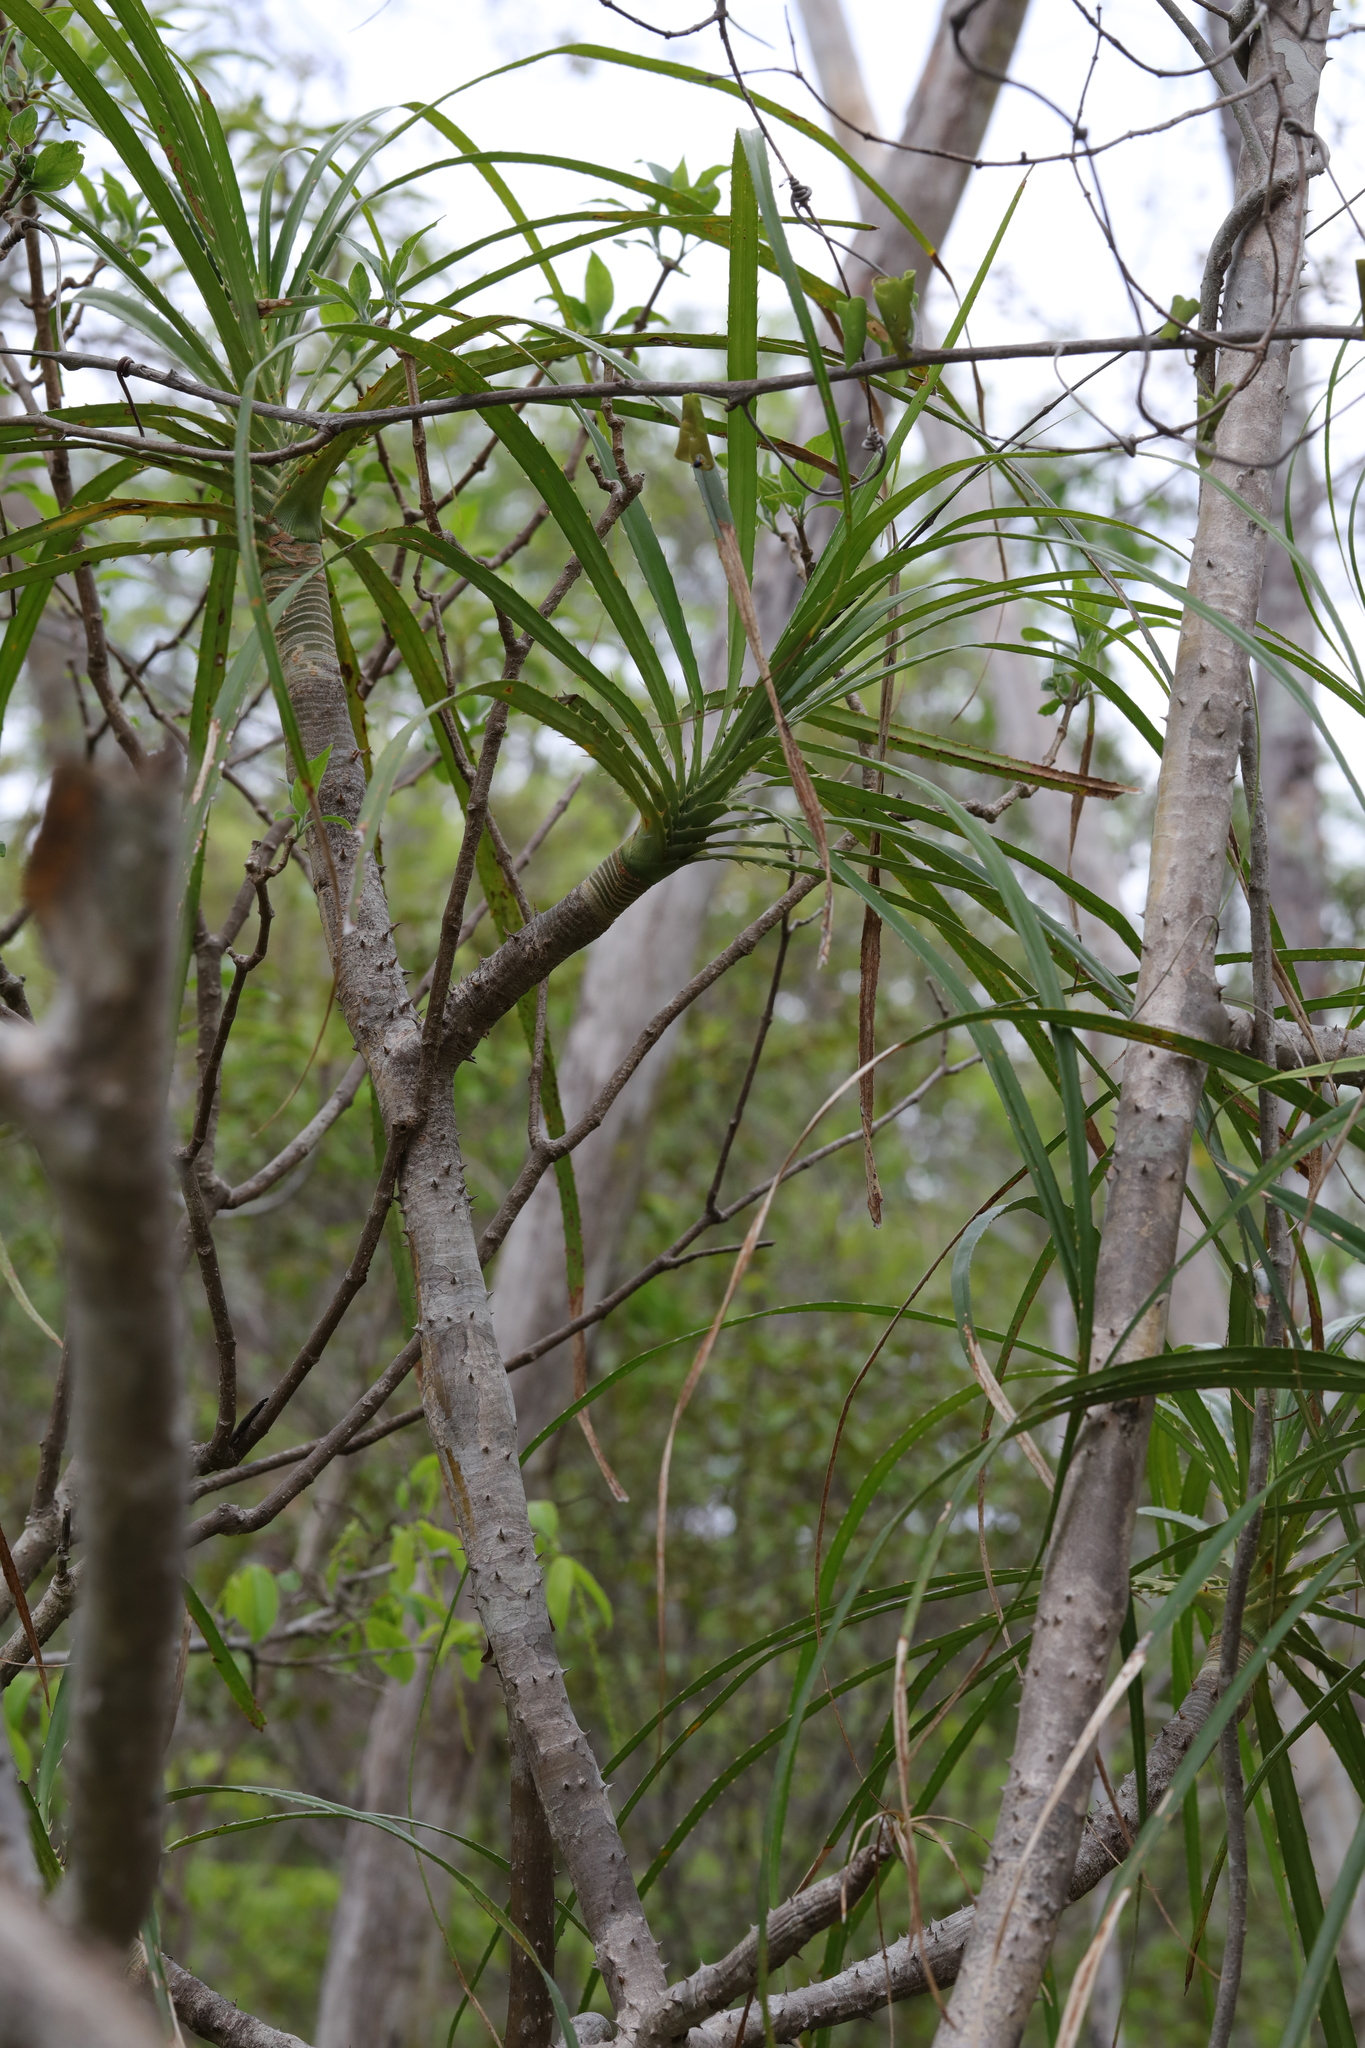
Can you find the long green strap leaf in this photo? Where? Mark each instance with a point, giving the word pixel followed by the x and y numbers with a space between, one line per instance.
pixel 741 360
pixel 224 1663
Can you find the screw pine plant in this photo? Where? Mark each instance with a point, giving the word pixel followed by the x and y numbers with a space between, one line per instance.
pixel 309 369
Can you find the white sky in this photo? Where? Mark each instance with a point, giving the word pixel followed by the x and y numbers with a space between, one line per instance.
pixel 1165 195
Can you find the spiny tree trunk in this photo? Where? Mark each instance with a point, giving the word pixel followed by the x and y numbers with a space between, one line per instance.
pixel 633 969
pixel 1085 1587
pixel 465 1391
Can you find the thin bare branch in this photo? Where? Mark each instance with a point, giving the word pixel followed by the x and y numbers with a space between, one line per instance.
pixel 234 1521
pixel 298 1149
pixel 262 1418
pixel 544 1153
pixel 678 1254
pixel 215 1482
pixel 728 391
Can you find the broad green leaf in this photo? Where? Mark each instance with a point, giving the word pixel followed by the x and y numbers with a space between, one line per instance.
pixel 251 1598
pixel 389 1639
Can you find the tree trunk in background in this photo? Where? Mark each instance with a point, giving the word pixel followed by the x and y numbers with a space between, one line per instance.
pixel 383 1931
pixel 839 80
pixel 1289 740
pixel 631 972
pixel 1298 889
pixel 950 113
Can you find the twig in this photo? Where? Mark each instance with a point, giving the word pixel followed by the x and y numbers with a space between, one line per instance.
pixel 59 469
pixel 243 965
pixel 729 391
pixel 677 1254
pixel 298 1148
pixel 216 1482
pixel 751 1070
pixel 218 1450
pixel 244 1521
pixel 262 1418
pixel 543 1154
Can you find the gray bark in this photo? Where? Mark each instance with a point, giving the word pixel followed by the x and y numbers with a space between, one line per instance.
pixel 840 78
pixel 790 1926
pixel 465 1390
pixel 945 125
pixel 1085 1585
pixel 382 1927
pixel 89 1086
pixel 55 1992
pixel 903 1970
pixel 211 2016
